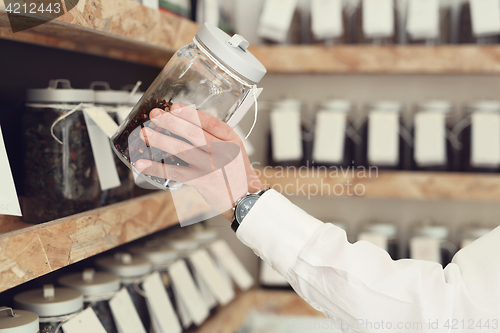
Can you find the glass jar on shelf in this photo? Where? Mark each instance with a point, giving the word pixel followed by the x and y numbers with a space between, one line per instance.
pixel 428 22
pixel 18 321
pixel 435 146
pixel 430 242
pixel 386 142
pixel 477 26
pixel 473 232
pixel 282 22
pixel 57 154
pixel 375 22
pixel 329 22
pixel 131 270
pixel 384 235
pixel 214 74
pixel 335 138
pixel 54 306
pixel 97 289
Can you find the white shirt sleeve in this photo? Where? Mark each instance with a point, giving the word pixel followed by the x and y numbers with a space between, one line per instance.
pixel 359 284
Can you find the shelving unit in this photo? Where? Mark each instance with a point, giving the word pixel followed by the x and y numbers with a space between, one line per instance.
pixel 386 184
pixel 28 251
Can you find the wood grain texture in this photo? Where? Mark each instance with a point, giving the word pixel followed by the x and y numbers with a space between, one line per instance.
pixel 122 29
pixel 385 184
pixel 413 59
pixel 230 318
pixel 29 251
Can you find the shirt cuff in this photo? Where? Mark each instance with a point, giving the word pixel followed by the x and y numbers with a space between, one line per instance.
pixel 277 230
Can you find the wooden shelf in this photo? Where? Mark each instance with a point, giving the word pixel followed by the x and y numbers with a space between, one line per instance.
pixel 368 59
pixel 121 29
pixel 387 184
pixel 28 251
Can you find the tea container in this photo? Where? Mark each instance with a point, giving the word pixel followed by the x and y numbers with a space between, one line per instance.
pixel 428 22
pixel 54 306
pixel 384 235
pixel 431 242
pixel 472 233
pixel 18 321
pixel 97 289
pixel 375 22
pixel 480 28
pixel 60 161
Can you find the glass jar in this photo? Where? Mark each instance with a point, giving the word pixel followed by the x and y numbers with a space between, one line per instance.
pixel 335 31
pixel 18 321
pixel 381 27
pixel 435 148
pixel 384 235
pixel 386 142
pixel 472 233
pixel 97 289
pixel 334 137
pixel 431 242
pixel 477 133
pixel 213 74
pixel 110 100
pixel 419 33
pixel 65 171
pixel 54 306
pixel 131 270
pixel 466 32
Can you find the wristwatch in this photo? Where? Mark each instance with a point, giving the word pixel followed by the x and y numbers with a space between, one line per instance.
pixel 243 206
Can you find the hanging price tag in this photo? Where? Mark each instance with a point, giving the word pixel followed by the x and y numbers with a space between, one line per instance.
pixel 153 4
pixel 424 248
pixel 84 322
pixel 286 135
pixel 376 239
pixel 276 19
pixel 101 149
pixel 430 139
pixel 383 138
pixel 125 314
pixel 161 308
pixel 485 15
pixel 327 19
pixel 9 203
pixel 122 112
pixel 102 119
pixel 231 264
pixel 423 19
pixel 485 140
pixel 205 266
pixel 378 18
pixel 329 137
pixel 205 291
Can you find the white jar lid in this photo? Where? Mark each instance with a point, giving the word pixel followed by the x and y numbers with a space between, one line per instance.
pixel 337 105
pixel 436 105
pixel 18 321
pixel 49 301
pixel 477 232
pixel 205 235
pixel 125 265
pixel 65 94
pixel 288 104
pixel 90 282
pixel 485 106
pixel 184 244
pixel 156 255
pixel 437 232
pixel 107 95
pixel 391 106
pixel 388 230
pixel 232 51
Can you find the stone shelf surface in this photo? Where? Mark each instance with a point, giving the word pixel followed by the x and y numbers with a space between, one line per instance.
pixel 386 184
pixel 28 251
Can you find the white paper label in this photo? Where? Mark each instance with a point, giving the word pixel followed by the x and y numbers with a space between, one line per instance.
pixel 126 318
pixel 182 309
pixel 9 203
pixel 160 305
pixel 188 292
pixel 246 143
pixel 276 19
pixel 485 15
pixel 102 119
pixel 286 135
pixel 378 18
pixel 430 139
pixel 122 112
pixel 84 322
pixel 208 271
pixel 423 248
pixel 485 140
pixel 153 4
pixel 423 18
pixel 103 155
pixel 205 291
pixel 231 264
pixel 383 138
pixel 269 277
pixel 243 108
pixel 376 239
pixel 327 18
pixel 329 137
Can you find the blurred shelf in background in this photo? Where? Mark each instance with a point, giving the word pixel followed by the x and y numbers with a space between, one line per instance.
pixel 28 251
pixel 387 184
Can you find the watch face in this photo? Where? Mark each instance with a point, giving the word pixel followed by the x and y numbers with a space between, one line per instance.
pixel 244 207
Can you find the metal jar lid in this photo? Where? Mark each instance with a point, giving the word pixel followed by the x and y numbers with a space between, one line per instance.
pixel 125 265
pixel 232 51
pixel 107 95
pixel 90 282
pixel 206 235
pixel 60 91
pixel 337 105
pixel 49 301
pixel 18 321
pixel 155 254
